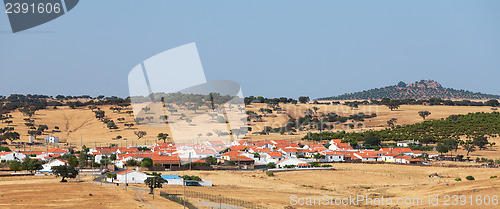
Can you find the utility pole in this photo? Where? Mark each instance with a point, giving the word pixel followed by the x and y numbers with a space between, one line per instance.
pixel 92 166
pixel 184 180
pixel 154 184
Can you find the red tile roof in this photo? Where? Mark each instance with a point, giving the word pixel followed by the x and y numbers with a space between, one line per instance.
pixel 128 149
pixel 238 147
pixel 57 150
pixel 232 153
pixel 335 153
pixel 33 152
pixel 124 172
pixel 241 158
pixel 414 160
pixel 4 153
pixel 275 154
pixel 365 155
pixel 290 150
pixel 165 159
pixel 265 150
pixel 344 146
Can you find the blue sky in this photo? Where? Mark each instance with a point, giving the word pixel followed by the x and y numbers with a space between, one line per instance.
pixel 272 48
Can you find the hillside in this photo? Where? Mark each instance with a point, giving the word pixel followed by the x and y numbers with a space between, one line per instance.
pixel 424 89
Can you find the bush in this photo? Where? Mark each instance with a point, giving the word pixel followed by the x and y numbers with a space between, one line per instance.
pixel 458 179
pixel 270 173
pixel 492 177
pixel 271 165
pixel 5 149
pixel 470 178
pixel 326 166
pixel 191 178
pixel 111 175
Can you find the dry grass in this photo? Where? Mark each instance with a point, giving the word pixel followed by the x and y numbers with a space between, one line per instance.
pixel 80 125
pixel 47 192
pixel 394 181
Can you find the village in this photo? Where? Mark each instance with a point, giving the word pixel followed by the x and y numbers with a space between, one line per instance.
pixel 242 154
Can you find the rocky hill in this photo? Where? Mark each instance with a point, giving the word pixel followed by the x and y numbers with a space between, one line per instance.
pixel 424 89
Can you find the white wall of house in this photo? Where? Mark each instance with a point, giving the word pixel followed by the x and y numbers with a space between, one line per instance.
pixel 290 161
pixel 13 156
pixel 48 166
pixel 389 159
pixel 132 177
pixel 334 158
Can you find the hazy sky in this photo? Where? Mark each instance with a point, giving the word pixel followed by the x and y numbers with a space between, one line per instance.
pixel 272 48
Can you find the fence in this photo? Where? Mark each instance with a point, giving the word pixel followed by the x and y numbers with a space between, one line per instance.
pixel 177 199
pixel 222 200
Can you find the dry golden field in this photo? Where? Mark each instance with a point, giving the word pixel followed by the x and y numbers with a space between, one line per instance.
pixel 388 181
pixel 80 125
pixel 368 180
pixel 47 192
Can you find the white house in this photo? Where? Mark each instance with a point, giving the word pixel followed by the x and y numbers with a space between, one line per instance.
pixel 365 157
pixel 47 167
pixel 274 157
pixel 51 139
pixel 57 151
pixel 388 158
pixel 291 161
pixel 203 153
pixel 406 143
pixel 120 163
pixel 334 156
pixel 6 156
pixel 401 159
pixel 131 176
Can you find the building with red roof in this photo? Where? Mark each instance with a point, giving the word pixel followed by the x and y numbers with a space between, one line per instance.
pixel 166 161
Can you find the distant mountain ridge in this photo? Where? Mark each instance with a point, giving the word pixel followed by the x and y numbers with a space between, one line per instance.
pixel 424 89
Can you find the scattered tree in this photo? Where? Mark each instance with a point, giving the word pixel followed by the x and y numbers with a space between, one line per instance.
pixel 64 171
pixel 424 114
pixel 392 121
pixel 469 147
pixel 154 182
pixel 480 141
pixel 140 134
pixel 15 166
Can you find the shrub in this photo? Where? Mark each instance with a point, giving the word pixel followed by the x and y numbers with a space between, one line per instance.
pixel 6 149
pixel 315 165
pixel 327 166
pixel 470 178
pixel 271 165
pixel 458 179
pixel 191 178
pixel 270 173
pixel 111 175
pixel 492 177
